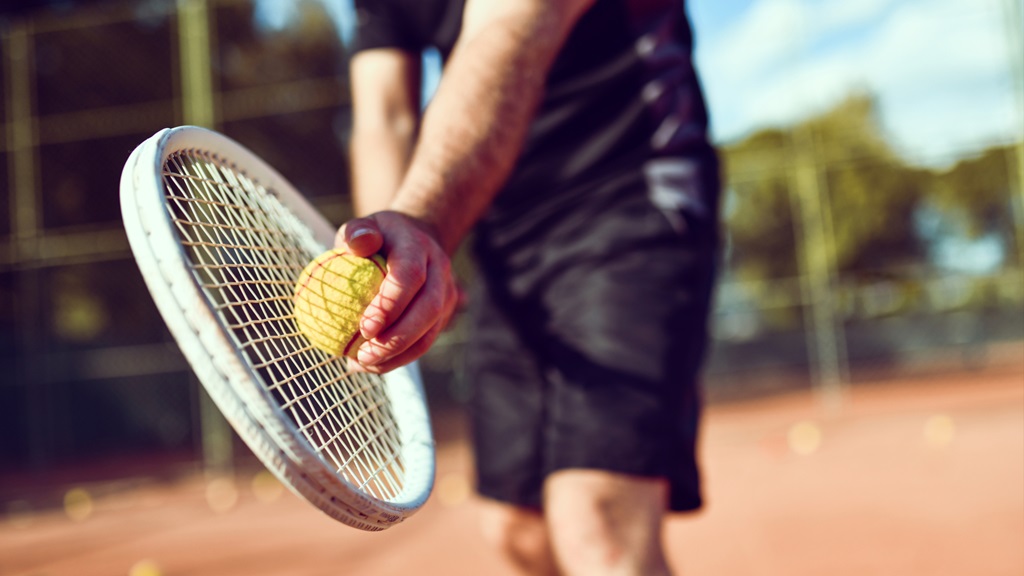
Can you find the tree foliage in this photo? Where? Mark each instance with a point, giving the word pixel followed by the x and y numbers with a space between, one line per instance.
pixel 978 192
pixel 871 197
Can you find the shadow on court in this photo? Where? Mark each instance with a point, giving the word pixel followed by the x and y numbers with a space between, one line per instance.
pixel 912 477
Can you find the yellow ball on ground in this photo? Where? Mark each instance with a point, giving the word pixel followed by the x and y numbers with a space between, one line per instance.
pixel 331 295
pixel 145 568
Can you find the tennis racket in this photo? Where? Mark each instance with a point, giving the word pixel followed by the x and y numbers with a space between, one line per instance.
pixel 220 238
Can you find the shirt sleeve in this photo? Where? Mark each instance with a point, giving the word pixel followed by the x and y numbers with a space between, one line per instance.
pixel 380 24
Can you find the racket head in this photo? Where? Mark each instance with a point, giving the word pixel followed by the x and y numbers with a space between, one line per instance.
pixel 220 238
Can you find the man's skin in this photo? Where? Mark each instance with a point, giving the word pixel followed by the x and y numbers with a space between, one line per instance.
pixel 419 187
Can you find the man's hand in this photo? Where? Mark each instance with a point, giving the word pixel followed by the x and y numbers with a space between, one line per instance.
pixel 467 145
pixel 418 295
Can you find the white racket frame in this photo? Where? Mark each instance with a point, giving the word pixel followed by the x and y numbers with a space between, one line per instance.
pixel 233 384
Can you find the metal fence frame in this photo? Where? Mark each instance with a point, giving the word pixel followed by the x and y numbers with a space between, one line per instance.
pixel 818 289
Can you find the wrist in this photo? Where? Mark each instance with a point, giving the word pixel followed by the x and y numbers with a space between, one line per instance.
pixel 422 219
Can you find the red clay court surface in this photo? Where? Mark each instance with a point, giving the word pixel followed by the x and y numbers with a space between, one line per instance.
pixel 921 477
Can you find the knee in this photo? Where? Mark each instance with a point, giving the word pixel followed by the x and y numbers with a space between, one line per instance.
pixel 604 523
pixel 587 537
pixel 519 534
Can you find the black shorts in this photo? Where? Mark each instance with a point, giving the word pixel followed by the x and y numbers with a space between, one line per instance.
pixel 589 329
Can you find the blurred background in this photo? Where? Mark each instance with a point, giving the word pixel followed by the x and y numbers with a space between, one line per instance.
pixel 874 157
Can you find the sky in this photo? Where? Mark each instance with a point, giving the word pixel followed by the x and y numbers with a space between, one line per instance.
pixel 942 70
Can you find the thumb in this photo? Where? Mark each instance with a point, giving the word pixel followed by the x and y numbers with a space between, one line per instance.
pixel 360 236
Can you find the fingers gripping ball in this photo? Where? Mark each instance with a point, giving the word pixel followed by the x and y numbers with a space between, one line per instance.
pixel 331 295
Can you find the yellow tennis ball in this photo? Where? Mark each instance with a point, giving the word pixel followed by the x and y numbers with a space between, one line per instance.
pixel 331 295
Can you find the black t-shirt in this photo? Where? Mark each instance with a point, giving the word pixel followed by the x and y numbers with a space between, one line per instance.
pixel 621 92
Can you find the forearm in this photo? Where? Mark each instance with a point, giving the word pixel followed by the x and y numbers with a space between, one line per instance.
pixel 474 129
pixel 385 107
pixel 378 161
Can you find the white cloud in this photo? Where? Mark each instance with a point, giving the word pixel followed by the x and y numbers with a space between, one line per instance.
pixel 938 45
pixel 806 88
pixel 774 32
pixel 837 14
pixel 760 41
pixel 940 69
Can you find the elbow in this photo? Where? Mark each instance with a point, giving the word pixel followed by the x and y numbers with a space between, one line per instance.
pixel 391 125
pixel 404 125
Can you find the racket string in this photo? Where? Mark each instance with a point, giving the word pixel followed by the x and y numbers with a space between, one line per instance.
pixel 242 241
pixel 394 447
pixel 332 427
pixel 365 441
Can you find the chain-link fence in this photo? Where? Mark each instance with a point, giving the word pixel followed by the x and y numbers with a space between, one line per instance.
pixel 833 267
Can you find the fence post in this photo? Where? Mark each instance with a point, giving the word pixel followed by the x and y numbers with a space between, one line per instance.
pixel 825 340
pixel 23 179
pixel 1014 37
pixel 198 110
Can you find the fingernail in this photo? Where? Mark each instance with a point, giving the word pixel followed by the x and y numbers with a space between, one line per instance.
pixel 360 232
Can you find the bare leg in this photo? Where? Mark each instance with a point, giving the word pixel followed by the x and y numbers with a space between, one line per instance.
pixel 603 523
pixel 521 535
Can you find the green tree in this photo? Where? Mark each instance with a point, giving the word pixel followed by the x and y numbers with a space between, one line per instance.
pixel 870 195
pixel 977 193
